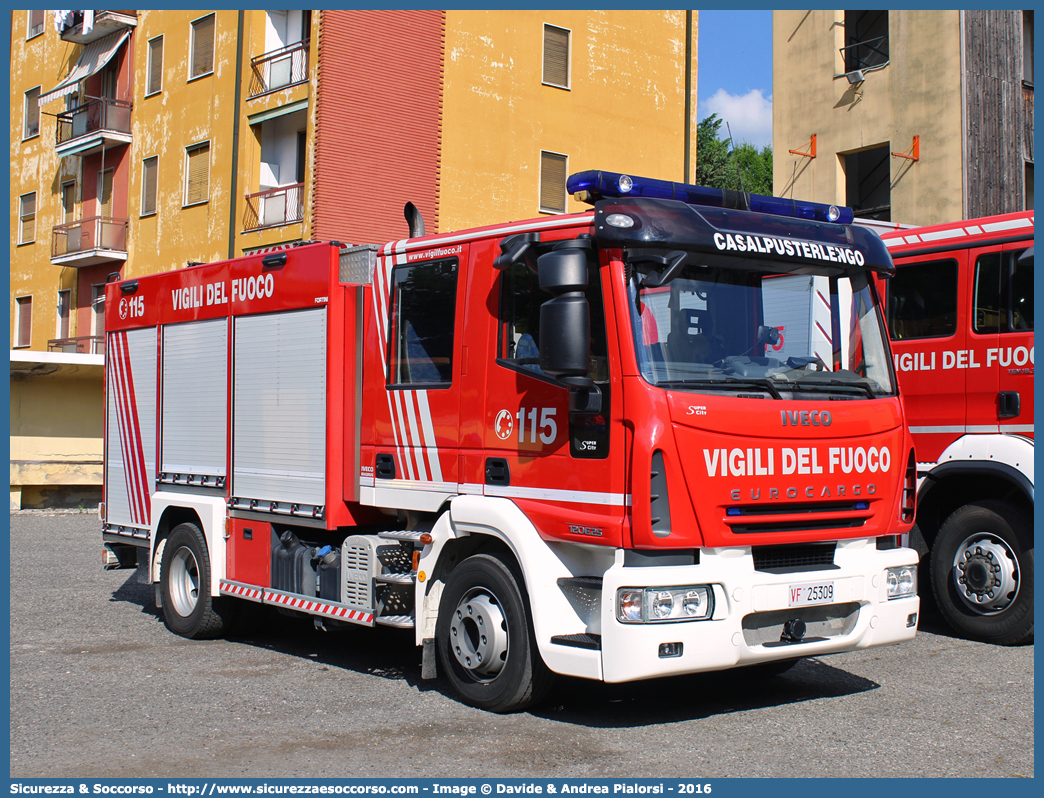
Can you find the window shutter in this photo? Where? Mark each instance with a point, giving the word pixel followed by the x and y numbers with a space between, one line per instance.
pixel 28 218
pixel 25 320
pixel 32 113
pixel 68 201
pixel 556 56
pixel 552 182
pixel 198 174
pixel 155 65
pixel 63 313
pixel 203 46
pixel 150 167
pixel 105 200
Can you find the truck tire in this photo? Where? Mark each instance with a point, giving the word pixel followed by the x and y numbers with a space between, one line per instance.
pixel 982 573
pixel 188 608
pixel 484 637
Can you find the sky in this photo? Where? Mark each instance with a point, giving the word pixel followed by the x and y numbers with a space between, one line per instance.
pixel 735 73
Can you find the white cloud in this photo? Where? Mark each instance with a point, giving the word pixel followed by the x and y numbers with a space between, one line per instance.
pixel 749 115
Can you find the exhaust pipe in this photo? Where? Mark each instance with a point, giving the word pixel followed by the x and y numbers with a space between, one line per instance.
pixel 414 220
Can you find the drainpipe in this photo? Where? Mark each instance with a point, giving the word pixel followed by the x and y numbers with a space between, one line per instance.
pixel 688 98
pixel 234 197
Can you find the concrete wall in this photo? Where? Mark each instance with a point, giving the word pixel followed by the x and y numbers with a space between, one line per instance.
pixel 624 109
pixel 917 93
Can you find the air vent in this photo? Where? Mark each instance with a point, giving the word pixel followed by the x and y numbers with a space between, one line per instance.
pixel 659 504
pixel 797 526
pixel 790 557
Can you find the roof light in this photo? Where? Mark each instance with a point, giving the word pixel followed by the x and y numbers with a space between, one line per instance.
pixel 593 185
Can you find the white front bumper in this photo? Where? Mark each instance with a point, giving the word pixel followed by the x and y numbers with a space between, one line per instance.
pixel 749 606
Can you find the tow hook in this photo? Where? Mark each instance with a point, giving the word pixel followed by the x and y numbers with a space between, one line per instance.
pixel 793 631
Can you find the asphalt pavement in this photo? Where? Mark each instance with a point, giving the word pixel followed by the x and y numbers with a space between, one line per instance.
pixel 100 688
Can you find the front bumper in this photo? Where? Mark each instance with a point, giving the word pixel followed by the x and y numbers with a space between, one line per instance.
pixel 750 610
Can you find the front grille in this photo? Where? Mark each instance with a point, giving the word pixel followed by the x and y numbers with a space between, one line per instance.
pixel 797 526
pixel 796 556
pixel 797 509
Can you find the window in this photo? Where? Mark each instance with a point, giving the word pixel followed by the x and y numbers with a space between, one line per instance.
pixel 149 170
pixel 197 173
pixel 556 56
pixel 1027 47
pixel 553 169
pixel 202 47
pixel 32 113
pixel 155 67
pixel 423 314
pixel 23 320
pixel 868 182
pixel 866 39
pixel 64 303
pixel 68 201
pixel 922 301
pixel 1003 300
pixel 105 193
pixel 27 218
pixel 98 309
pixel 36 24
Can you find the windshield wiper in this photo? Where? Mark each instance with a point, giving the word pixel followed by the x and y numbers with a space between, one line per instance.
pixel 730 382
pixel 834 384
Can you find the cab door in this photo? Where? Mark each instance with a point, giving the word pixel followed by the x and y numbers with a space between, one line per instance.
pixel 562 468
pixel 1014 343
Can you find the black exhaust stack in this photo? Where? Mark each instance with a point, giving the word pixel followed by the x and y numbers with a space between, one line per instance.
pixel 414 220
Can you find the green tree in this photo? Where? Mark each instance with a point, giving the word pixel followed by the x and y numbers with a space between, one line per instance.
pixel 716 161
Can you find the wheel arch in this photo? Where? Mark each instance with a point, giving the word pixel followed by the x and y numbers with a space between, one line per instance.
pixel 950 486
pixel 209 513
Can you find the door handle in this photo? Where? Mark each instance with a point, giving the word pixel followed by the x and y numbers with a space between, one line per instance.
pixel 1008 404
pixel 497 471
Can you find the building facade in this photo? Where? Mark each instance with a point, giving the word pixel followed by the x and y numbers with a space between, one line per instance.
pixel 146 141
pixel 917 117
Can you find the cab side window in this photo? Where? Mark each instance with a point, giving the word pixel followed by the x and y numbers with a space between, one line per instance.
pixel 423 314
pixel 922 301
pixel 1003 293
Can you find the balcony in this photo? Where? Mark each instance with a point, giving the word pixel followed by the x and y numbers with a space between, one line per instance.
pixel 278 69
pixel 83 345
pixel 87 242
pixel 105 22
pixel 100 122
pixel 274 207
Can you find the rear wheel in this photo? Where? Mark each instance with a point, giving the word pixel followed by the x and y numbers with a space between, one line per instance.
pixel 188 608
pixel 485 640
pixel 982 573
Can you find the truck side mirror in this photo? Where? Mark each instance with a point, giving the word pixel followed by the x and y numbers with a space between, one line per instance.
pixel 565 320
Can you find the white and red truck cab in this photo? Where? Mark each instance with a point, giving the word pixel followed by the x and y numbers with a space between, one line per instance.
pixel 658 437
pixel 960 317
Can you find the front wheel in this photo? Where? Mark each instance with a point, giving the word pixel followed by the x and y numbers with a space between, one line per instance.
pixel 188 608
pixel 982 573
pixel 485 640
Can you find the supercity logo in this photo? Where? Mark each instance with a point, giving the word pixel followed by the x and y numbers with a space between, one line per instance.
pixel 770 245
pixel 761 462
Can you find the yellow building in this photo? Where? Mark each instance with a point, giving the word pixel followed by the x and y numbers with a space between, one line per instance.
pixel 918 117
pixel 144 141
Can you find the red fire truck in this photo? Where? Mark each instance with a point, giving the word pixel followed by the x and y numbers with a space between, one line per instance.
pixel 960 316
pixel 595 444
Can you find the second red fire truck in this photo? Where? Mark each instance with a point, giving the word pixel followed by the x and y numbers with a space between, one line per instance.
pixel 600 444
pixel 960 315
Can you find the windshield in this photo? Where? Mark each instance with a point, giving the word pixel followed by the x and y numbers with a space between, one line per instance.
pixel 758 333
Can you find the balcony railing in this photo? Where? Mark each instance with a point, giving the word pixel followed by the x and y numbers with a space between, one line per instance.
pixel 100 115
pixel 89 236
pixel 276 206
pixel 279 68
pixel 84 345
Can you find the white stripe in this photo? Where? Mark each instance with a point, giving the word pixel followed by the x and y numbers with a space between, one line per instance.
pixel 566 221
pixel 404 451
pixel 417 484
pixel 549 494
pixel 912 240
pixel 429 436
pixel 413 431
pixel 1010 224
pixel 977 429
pixel 974 229
pixel 940 235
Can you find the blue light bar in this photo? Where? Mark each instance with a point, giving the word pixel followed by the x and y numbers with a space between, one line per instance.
pixel 593 185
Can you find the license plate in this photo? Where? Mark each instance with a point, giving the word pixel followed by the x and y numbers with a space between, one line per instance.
pixel 815 593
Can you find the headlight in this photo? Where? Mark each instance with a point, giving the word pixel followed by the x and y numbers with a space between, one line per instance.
pixel 663 604
pixel 902 581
